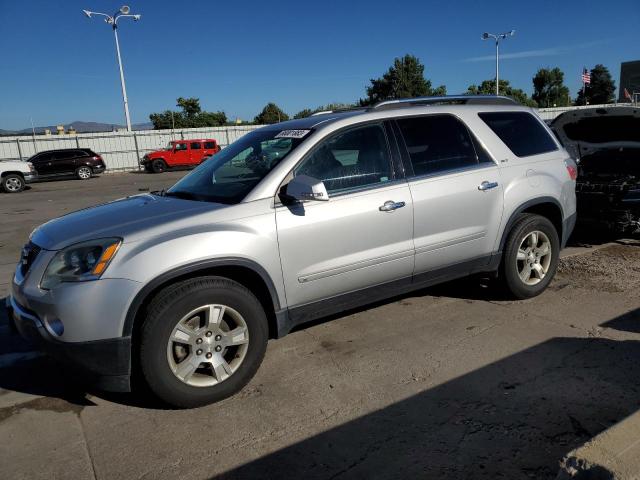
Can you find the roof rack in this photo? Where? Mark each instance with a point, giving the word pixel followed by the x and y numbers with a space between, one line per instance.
pixel 446 100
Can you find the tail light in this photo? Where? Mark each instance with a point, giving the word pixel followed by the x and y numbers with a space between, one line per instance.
pixel 572 168
pixel 97 157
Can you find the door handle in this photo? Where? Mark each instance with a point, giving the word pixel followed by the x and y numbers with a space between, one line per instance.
pixel 487 185
pixel 390 206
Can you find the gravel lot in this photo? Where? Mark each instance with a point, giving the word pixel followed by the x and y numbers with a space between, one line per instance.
pixel 450 382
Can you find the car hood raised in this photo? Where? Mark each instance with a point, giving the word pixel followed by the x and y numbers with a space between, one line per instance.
pixel 590 130
pixel 130 218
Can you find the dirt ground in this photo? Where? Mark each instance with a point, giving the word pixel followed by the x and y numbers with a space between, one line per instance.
pixel 454 381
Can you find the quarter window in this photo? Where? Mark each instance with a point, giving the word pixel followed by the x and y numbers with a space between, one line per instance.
pixel 209 145
pixel 354 159
pixel 520 131
pixel 437 143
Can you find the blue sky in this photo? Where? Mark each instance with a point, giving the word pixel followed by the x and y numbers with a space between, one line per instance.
pixel 59 66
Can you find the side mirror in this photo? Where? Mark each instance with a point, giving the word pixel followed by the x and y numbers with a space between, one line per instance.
pixel 304 187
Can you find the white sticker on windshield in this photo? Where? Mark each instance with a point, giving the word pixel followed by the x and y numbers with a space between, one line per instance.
pixel 292 133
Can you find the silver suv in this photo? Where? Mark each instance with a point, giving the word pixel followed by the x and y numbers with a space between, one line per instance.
pixel 293 222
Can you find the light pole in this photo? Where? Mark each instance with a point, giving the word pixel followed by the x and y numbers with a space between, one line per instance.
pixel 113 21
pixel 497 37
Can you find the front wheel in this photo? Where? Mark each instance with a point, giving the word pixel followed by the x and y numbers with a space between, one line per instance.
pixel 202 341
pixel 158 166
pixel 530 257
pixel 13 183
pixel 84 173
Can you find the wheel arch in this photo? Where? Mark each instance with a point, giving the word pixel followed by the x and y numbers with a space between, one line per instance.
pixel 12 172
pixel 243 271
pixel 547 207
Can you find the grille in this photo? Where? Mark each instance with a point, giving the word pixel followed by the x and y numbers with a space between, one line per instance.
pixel 29 254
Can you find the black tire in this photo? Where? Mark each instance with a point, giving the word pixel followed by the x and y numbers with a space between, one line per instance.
pixel 84 173
pixel 158 166
pixel 166 310
pixel 147 168
pixel 13 183
pixel 509 276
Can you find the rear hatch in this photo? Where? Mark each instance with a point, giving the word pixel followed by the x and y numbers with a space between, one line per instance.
pixel 605 142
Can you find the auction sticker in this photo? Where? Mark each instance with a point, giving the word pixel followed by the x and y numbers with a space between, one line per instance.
pixel 292 134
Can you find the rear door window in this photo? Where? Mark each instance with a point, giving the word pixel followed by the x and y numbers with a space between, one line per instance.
pixel 437 144
pixel 196 146
pixel 65 155
pixel 521 132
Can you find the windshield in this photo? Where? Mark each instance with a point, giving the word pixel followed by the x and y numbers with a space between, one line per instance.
pixel 230 175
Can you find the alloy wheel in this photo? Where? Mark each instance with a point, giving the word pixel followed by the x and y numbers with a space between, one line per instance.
pixel 84 173
pixel 13 184
pixel 208 345
pixel 533 257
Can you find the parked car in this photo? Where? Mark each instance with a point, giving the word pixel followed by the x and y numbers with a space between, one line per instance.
pixel 15 174
pixel 180 154
pixel 606 145
pixel 189 283
pixel 81 163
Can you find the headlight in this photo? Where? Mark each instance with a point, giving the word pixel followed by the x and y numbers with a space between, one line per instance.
pixel 80 262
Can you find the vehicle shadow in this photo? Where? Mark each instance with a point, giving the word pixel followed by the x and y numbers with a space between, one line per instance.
pixel 515 418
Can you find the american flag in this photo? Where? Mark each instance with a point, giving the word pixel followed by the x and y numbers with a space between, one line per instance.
pixel 586 76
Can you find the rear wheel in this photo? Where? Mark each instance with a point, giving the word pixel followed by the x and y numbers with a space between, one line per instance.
pixel 202 341
pixel 530 257
pixel 158 166
pixel 13 183
pixel 84 173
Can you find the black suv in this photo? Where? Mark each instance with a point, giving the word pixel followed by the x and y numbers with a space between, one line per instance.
pixel 79 162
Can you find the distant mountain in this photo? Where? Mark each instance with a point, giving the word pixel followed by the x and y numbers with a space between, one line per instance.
pixel 80 127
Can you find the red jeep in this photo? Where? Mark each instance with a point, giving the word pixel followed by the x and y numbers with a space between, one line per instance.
pixel 180 154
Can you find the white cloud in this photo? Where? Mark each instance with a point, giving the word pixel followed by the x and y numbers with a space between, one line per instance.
pixel 545 52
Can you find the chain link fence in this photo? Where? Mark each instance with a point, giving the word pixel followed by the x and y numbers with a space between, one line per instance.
pixel 120 150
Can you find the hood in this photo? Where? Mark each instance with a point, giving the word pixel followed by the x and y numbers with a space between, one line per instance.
pixel 589 131
pixel 14 164
pixel 158 153
pixel 130 218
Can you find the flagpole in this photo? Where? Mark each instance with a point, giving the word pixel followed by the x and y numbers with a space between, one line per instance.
pixel 584 87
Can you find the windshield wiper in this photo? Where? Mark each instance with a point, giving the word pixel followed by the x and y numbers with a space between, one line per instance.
pixel 182 194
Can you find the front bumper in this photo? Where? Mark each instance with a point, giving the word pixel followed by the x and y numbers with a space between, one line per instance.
pixel 30 177
pixel 107 363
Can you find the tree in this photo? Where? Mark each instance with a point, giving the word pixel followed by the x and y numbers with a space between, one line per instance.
pixel 191 116
pixel 307 112
pixel 404 79
pixel 190 106
pixel 271 113
pixel 601 88
pixel 488 87
pixel 549 89
pixel 304 113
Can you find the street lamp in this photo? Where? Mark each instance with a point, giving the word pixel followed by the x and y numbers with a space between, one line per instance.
pixel 497 37
pixel 113 21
